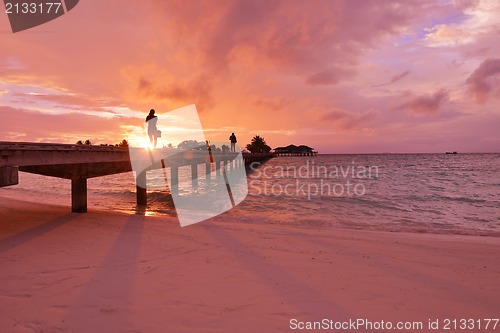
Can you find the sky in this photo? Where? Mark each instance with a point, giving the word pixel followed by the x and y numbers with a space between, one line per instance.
pixel 354 76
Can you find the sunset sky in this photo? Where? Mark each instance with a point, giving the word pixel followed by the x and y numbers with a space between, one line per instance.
pixel 340 76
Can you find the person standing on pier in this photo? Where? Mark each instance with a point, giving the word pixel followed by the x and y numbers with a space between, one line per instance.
pixel 233 140
pixel 153 131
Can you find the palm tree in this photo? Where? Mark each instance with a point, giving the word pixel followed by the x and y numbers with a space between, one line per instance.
pixel 124 143
pixel 258 145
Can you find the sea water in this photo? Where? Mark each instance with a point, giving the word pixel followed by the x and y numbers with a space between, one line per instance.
pixel 436 193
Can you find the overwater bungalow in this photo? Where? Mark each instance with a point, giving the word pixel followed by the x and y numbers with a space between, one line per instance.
pixel 293 150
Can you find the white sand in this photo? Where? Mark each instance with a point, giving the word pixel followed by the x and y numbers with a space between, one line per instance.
pixel 101 272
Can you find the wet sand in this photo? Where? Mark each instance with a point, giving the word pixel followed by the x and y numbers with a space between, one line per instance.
pixel 106 272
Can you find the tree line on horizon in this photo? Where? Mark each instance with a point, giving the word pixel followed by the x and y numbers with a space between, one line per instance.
pixel 123 143
pixel 257 145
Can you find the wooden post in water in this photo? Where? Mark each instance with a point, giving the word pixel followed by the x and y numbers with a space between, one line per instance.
pixel 79 195
pixel 141 192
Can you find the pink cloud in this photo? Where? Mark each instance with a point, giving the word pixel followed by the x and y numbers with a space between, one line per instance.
pixel 345 120
pixel 196 90
pixel 328 77
pixel 485 80
pixel 273 104
pixel 395 78
pixel 426 104
pixel 66 101
pixel 63 128
pixel 286 35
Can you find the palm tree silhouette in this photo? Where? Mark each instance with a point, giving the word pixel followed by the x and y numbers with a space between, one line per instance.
pixel 258 145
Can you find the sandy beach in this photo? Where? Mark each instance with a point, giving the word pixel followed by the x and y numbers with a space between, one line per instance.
pixel 103 272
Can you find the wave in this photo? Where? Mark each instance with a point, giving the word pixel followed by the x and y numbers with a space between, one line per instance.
pixel 463 199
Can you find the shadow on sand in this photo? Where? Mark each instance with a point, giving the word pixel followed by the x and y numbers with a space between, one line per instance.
pixel 35 232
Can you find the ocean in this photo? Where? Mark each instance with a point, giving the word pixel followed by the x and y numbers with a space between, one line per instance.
pixel 424 193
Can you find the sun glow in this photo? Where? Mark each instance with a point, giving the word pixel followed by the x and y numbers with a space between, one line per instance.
pixel 138 138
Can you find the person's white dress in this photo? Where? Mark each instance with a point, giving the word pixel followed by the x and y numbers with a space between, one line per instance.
pixel 152 130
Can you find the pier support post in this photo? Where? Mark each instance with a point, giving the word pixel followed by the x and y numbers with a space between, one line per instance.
pixel 9 176
pixel 217 167
pixel 79 195
pixel 194 176
pixel 174 180
pixel 208 171
pixel 141 192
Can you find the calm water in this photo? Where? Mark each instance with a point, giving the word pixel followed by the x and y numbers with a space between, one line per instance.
pixel 436 193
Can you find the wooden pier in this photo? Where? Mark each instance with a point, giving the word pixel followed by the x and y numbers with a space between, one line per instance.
pixel 81 162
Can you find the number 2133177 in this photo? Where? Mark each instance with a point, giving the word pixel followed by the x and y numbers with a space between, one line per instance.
pixel 470 324
pixel 33 8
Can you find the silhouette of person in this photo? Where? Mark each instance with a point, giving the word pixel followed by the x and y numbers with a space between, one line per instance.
pixel 151 119
pixel 233 140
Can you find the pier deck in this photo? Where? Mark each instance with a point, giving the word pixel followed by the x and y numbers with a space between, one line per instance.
pixel 80 162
